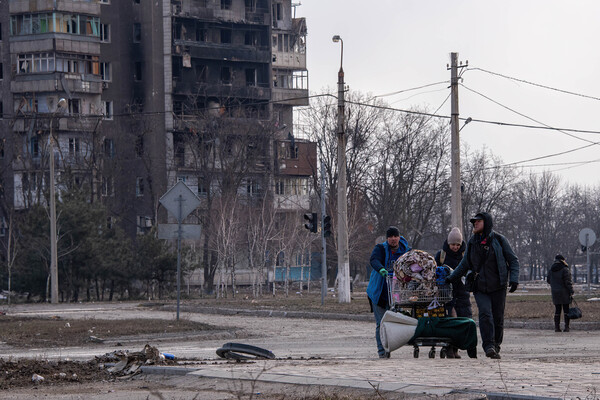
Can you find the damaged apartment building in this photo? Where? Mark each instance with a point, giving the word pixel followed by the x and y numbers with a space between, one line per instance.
pixel 141 94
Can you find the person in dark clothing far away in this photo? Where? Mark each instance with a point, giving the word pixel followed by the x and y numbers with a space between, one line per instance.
pixel 451 255
pixel 491 264
pixel 561 285
pixel 382 260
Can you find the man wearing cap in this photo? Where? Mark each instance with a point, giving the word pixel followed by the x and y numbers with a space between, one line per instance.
pixel 492 264
pixel 382 260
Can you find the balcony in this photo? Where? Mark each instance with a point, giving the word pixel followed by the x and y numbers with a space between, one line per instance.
pixel 289 60
pixel 227 52
pixel 260 92
pixel 290 97
pixel 91 7
pixel 57 81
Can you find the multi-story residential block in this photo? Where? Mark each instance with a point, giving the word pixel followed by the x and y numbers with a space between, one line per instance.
pixel 154 92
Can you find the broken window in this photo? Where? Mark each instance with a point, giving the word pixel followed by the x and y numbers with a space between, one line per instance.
pixel 139 146
pixel 137 71
pixel 201 72
pixel 226 36
pixel 251 77
pixel 74 146
pixel 109 148
pixel 226 75
pixel 225 4
pixel 137 32
pixel 139 186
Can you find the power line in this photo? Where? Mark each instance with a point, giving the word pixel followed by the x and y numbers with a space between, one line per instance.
pixel 408 90
pixel 525 116
pixel 534 84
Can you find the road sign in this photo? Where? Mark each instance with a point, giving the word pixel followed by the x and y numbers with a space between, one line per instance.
pixel 591 237
pixel 180 194
pixel 170 231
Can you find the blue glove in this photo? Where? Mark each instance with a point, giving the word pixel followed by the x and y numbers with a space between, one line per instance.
pixel 383 272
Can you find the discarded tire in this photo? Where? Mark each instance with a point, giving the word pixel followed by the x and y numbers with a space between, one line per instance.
pixel 239 351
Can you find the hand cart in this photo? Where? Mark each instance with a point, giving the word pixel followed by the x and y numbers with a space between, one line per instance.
pixel 423 303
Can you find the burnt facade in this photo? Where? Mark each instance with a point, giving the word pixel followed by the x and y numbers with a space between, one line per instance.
pixel 141 94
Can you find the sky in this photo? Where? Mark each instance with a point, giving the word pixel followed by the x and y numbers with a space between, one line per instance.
pixel 544 47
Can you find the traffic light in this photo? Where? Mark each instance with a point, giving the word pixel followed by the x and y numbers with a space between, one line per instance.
pixel 312 223
pixel 327 226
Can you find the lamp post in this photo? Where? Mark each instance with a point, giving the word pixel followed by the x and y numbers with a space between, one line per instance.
pixel 53 243
pixel 342 214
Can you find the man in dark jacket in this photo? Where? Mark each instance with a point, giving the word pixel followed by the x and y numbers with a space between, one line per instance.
pixel 451 254
pixel 382 260
pixel 561 285
pixel 493 264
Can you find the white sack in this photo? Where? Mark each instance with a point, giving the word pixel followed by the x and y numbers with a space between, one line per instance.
pixel 396 329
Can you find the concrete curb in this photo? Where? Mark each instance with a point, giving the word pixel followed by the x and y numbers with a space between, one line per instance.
pixel 512 324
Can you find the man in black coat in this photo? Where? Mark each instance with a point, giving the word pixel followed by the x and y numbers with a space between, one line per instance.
pixel 491 262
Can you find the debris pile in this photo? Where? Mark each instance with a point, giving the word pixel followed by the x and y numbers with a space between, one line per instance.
pixel 128 364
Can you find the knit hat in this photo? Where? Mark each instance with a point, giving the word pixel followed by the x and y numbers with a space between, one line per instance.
pixel 559 257
pixel 392 231
pixel 455 237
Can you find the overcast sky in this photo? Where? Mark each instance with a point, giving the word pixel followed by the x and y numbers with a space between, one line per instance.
pixel 394 45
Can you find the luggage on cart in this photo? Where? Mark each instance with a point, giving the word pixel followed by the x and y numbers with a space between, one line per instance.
pixel 421 302
pixel 417 288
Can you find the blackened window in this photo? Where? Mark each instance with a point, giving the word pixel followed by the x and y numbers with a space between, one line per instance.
pixel 137 71
pixel 139 146
pixel 225 4
pixel 200 72
pixel 251 77
pixel 225 36
pixel 137 32
pixel 109 148
pixel 226 75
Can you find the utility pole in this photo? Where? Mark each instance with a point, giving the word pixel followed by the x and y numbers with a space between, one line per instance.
pixel 455 181
pixel 62 103
pixel 343 275
pixel 323 240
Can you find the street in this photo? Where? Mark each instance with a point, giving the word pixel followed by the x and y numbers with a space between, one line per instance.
pixel 534 362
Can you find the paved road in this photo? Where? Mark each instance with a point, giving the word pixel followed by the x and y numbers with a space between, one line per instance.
pixel 534 362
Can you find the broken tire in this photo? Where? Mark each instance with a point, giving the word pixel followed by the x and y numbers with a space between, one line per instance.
pixel 239 351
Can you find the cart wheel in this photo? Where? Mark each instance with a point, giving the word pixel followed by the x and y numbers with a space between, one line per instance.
pixel 416 352
pixel 443 352
pixel 432 352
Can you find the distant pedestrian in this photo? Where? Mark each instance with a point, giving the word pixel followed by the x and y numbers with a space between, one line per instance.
pixel 491 265
pixel 451 255
pixel 382 260
pixel 561 285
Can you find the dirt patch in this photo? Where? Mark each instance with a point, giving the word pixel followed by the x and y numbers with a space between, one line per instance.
pixel 23 373
pixel 28 332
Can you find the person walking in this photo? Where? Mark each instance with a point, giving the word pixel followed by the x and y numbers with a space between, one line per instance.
pixel 561 285
pixel 382 260
pixel 451 255
pixel 491 264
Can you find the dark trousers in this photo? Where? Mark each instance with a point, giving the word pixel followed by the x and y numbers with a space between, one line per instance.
pixel 379 312
pixel 559 307
pixel 491 317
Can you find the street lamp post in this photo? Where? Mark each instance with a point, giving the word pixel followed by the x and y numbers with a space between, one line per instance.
pixel 342 226
pixel 53 241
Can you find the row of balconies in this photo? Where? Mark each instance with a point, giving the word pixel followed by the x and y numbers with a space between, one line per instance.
pixel 91 7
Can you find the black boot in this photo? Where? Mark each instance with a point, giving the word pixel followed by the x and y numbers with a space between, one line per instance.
pixel 567 320
pixel 557 323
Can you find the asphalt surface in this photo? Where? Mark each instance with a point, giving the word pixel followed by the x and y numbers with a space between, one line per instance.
pixel 536 361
